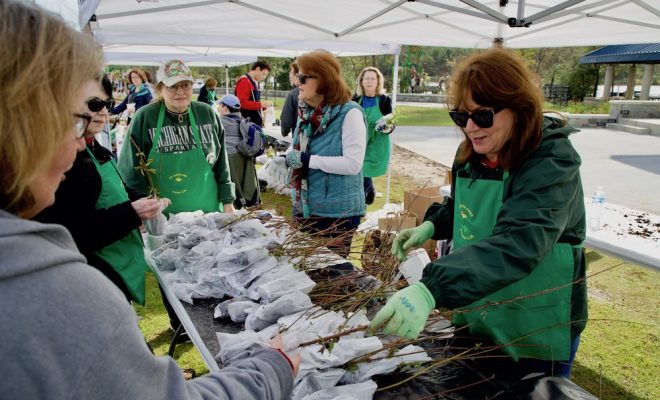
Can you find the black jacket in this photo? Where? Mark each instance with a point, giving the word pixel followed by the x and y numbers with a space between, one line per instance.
pixel 289 114
pixel 384 101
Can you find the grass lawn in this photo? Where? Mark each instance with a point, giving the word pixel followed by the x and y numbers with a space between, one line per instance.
pixel 422 116
pixel 619 355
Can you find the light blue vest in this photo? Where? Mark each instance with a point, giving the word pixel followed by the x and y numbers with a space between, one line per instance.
pixel 332 195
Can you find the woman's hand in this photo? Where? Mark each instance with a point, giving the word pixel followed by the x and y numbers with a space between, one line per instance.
pixel 147 207
pixel 297 159
pixel 228 208
pixel 294 360
pixel 406 312
pixel 413 237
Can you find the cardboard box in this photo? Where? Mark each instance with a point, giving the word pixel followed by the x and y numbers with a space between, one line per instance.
pixel 431 248
pixel 397 222
pixel 448 177
pixel 417 201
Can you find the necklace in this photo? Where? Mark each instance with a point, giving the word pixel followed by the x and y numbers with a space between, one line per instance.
pixel 178 115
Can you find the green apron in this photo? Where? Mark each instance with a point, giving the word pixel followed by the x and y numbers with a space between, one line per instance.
pixel 377 155
pixel 530 317
pixel 126 256
pixel 185 177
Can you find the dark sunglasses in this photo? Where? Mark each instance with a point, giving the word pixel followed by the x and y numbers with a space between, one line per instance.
pixel 96 104
pixel 302 78
pixel 483 119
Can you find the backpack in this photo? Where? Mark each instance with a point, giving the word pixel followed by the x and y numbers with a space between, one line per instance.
pixel 252 142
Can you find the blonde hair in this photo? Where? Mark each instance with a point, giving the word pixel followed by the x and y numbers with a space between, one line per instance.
pixel 44 65
pixel 380 88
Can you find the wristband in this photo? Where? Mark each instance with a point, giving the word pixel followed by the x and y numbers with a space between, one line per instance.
pixel 286 358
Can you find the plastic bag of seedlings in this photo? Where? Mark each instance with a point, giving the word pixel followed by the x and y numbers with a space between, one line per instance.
pixel 203 249
pixel 232 344
pixel 185 218
pixel 358 391
pixel 166 260
pixel 207 290
pixel 217 220
pixel 233 259
pixel 220 310
pixel 267 314
pixel 382 363
pixel 297 281
pixel 316 357
pixel 193 236
pixel 172 231
pixel 315 381
pixel 236 284
pixel 239 311
pixel 251 229
pixel 204 271
pixel 156 225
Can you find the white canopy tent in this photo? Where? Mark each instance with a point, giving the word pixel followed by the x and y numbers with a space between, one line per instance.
pixel 450 23
pixel 142 57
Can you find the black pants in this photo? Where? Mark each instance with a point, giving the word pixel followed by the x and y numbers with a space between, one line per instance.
pixel 369 190
pixel 339 230
pixel 174 320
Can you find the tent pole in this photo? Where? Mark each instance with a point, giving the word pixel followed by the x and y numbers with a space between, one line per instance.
pixel 395 84
pixel 226 79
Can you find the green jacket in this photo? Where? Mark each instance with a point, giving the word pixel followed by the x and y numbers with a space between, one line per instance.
pixel 177 137
pixel 543 204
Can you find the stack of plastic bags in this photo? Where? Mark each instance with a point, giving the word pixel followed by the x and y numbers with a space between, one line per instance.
pixel 218 255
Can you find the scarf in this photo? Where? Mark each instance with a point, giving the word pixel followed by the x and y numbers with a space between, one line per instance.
pixel 311 121
pixel 132 93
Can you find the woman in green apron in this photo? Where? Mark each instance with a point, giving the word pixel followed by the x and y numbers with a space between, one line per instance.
pixel 184 145
pixel 515 275
pixel 103 215
pixel 371 96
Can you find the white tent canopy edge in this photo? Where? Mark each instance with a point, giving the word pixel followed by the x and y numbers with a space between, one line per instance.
pixel 449 23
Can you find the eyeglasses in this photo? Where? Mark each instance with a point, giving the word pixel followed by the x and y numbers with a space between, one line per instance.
pixel 483 119
pixel 302 78
pixel 185 86
pixel 96 104
pixel 82 123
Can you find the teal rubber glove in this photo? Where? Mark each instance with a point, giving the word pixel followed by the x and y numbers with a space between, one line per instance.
pixel 405 314
pixel 413 237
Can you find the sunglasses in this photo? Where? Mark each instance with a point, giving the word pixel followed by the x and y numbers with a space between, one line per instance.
pixel 185 86
pixel 302 78
pixel 96 104
pixel 82 123
pixel 483 119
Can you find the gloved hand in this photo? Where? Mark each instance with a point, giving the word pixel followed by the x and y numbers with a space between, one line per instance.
pixel 297 159
pixel 386 124
pixel 413 237
pixel 405 314
pixel 278 170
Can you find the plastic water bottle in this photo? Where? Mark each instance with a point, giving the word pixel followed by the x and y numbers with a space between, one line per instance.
pixel 596 210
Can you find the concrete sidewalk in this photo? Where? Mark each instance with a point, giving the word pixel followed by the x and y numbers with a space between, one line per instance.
pixel 626 165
